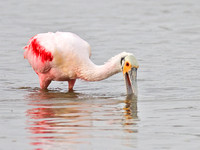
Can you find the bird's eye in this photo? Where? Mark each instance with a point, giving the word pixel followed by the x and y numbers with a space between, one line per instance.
pixel 127 64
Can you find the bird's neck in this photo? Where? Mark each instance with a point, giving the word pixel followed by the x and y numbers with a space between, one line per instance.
pixel 92 72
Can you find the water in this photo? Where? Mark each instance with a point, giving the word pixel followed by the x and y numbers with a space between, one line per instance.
pixel 164 36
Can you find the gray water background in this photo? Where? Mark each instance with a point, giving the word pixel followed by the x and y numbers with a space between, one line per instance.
pixel 164 35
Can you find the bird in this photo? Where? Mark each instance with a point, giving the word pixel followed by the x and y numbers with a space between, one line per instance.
pixel 64 56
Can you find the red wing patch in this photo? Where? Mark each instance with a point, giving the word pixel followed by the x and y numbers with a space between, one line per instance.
pixel 38 50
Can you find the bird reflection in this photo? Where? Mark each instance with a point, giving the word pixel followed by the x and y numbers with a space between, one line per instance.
pixel 130 115
pixel 131 107
pixel 57 118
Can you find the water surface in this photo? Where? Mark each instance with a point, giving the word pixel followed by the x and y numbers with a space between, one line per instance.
pixel 164 36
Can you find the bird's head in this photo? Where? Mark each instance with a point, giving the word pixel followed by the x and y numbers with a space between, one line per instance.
pixel 129 68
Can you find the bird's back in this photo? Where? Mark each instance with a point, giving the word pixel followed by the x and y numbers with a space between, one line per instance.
pixel 61 50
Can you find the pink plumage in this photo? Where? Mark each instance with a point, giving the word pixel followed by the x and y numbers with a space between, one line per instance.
pixel 64 56
pixel 38 50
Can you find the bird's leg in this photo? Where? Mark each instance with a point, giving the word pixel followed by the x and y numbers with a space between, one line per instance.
pixel 44 82
pixel 71 84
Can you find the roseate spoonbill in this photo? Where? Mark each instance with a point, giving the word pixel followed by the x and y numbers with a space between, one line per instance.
pixel 64 56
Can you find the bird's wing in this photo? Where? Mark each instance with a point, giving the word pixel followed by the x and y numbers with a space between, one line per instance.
pixel 39 52
pixel 67 42
pixel 60 49
pixel 70 52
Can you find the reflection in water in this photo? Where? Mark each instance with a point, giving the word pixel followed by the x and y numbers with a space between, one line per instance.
pixel 130 110
pixel 71 120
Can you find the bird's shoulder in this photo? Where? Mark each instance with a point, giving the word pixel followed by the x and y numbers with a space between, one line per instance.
pixel 68 42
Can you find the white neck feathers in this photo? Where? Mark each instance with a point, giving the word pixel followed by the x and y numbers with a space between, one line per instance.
pixel 91 72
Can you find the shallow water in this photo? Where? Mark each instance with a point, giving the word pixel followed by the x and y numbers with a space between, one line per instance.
pixel 164 36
